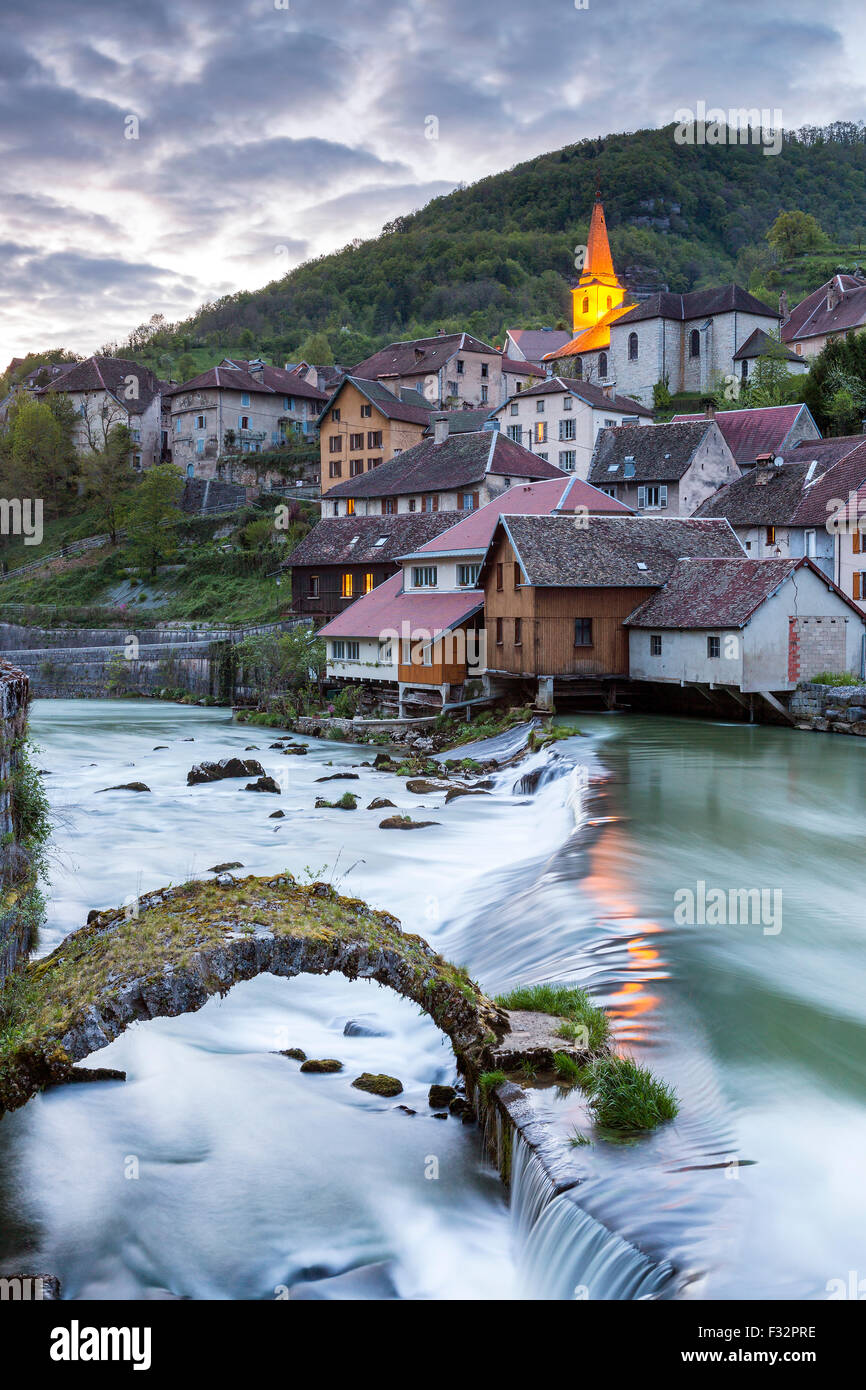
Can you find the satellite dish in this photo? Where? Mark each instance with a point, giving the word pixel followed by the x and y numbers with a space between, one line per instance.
pixel 778 460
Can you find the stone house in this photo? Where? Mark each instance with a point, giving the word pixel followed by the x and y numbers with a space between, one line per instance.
pixel 769 429
pixel 664 468
pixel 560 419
pixel 753 626
pixel 235 410
pixel 837 308
pixel 450 370
pixel 448 472
pixel 109 391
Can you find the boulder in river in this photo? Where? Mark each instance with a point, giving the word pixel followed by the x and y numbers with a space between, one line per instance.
pixel 222 868
pixel 347 802
pixel 297 748
pixel 276 815
pixel 421 786
pixel 438 1096
pixel 357 1028
pixel 126 787
pixel 161 748
pixel 322 1064
pixel 339 777
pixel 226 767
pixel 378 1084
pixel 297 1054
pixel 404 823
pixel 454 792
pixel 379 803
pixel 263 784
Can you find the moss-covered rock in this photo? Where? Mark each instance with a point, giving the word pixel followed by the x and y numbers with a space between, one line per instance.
pixel 321 1064
pixel 378 1084
pixel 440 1096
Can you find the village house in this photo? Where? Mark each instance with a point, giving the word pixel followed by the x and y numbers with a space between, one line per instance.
pixel 837 308
pixel 560 419
pixel 748 627
pixel 364 425
pixel 450 370
pixel 432 666
pixel 448 472
pixel 235 410
pixel 769 429
pixel 664 468
pixel 517 375
pixel 344 557
pixel 533 344
pixel 798 505
pixel 557 594
pixel 109 391
pixel 759 345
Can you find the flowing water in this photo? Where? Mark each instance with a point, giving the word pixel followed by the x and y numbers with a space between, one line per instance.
pixel 218 1170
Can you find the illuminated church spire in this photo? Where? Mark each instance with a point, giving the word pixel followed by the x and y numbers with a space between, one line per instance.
pixel 599 289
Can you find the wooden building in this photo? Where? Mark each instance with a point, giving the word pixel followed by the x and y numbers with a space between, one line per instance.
pixel 558 589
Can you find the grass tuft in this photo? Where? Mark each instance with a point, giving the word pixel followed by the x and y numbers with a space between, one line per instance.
pixel 489 1080
pixel 626 1096
pixel 585 1023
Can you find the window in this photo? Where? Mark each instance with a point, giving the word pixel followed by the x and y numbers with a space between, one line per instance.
pixel 567 429
pixel 413 505
pixel 568 460
pixel 468 501
pixel 499 632
pixel 177 423
pixel 609 302
pixel 771 535
pixel 366 412
pixel 350 506
pixel 353 651
pixel 452 388
pixel 500 581
pixel 374 439
pixel 654 497
pixel 385 657
pixel 467 576
pixel 539 406
pixel 335 416
pixel 368 582
pixel 347 587
pixel 356 466
pixel 484 395
pixel 373 463
pixel 424 576
pixel 335 469
pixel 602 364
pixel 335 443
pixel 515 433
pixel 338 650
pixel 583 632
pixel 459 366
pixel 516 575
pixel 714 647
pixel 695 343
pixel 288 403
pixel 244 422
pixel 568 402
pixel 744 370
pixel 485 371
pixel 245 398
pixel 655 644
pixel 586 304
pixel 313 586
pixel 356 441
pixel 199 422
pixel 518 632
pixel 811 543
pixel 199 446
pixel 632 347
pixel 514 407
pixel 389 506
pixel 541 431
pixel 431 503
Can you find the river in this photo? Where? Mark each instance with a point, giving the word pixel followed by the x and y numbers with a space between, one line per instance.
pixel 218 1170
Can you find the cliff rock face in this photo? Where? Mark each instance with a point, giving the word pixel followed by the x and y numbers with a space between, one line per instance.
pixel 15 926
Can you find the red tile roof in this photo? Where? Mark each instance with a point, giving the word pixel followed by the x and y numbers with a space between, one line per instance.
pixel 719 593
pixel 811 317
pixel 763 430
pixel 388 607
pixel 416 356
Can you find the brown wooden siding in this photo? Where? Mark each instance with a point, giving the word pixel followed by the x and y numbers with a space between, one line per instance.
pixel 548 623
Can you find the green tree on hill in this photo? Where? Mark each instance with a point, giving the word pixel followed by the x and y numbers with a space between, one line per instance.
pixel 108 477
pixel 835 389
pixel 794 232
pixel 37 455
pixel 148 518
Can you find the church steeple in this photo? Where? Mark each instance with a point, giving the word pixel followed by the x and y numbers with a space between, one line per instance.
pixel 598 290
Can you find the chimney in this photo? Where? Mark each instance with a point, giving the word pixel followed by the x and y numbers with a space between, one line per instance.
pixel 834 294
pixel 257 369
pixel 763 465
pixel 709 408
pixel 440 428
pixel 783 304
pixel 607 390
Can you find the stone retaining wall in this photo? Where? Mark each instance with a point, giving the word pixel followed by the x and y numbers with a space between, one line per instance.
pixel 14 922
pixel 830 709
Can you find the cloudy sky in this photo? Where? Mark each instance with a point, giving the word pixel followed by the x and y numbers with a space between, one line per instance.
pixel 268 131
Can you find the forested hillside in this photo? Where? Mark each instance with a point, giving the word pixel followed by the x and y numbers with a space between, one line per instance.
pixel 501 251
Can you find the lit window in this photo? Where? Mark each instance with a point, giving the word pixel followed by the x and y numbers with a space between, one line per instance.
pixel 347 587
pixel 368 582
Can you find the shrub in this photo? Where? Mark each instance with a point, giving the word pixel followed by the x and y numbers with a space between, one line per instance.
pixel 835 678
pixel 626 1096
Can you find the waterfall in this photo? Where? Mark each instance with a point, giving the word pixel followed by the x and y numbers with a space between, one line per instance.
pixel 563 1253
